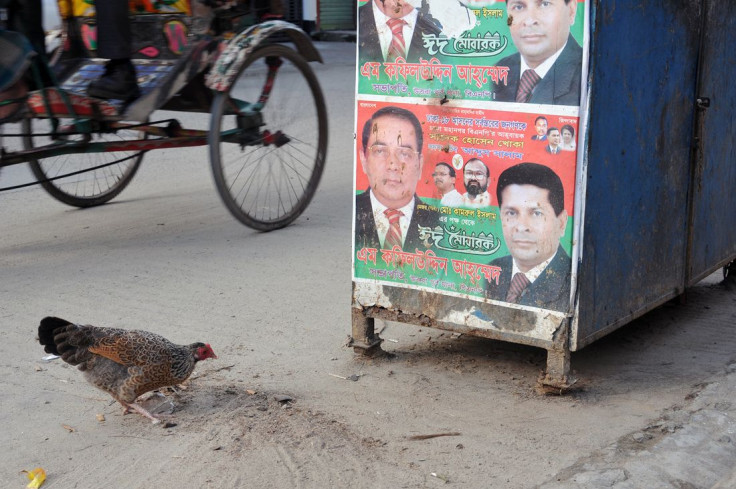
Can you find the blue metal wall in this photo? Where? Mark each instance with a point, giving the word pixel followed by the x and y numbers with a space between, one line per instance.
pixel 713 237
pixel 643 72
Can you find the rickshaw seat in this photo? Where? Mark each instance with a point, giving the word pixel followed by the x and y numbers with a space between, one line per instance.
pixel 165 34
pixel 82 105
pixel 161 38
pixel 86 8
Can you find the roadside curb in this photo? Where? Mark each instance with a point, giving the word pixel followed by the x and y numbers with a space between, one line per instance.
pixel 690 445
pixel 334 36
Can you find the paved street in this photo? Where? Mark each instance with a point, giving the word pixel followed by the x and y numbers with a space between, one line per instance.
pixel 655 408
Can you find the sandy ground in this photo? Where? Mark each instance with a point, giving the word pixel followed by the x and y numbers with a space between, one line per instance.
pixel 167 257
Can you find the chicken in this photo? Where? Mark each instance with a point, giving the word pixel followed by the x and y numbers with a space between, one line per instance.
pixel 123 363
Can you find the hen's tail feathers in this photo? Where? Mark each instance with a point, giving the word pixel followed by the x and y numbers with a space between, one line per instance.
pixel 47 330
pixel 68 340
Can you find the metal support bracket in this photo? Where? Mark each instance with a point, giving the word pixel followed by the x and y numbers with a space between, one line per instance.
pixel 364 340
pixel 557 379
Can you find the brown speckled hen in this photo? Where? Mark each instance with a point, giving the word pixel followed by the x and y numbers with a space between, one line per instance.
pixel 123 363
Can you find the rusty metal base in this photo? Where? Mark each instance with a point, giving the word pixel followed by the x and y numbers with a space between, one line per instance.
pixel 364 341
pixel 557 379
pixel 548 385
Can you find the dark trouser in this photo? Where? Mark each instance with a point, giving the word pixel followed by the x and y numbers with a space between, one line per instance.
pixel 113 29
pixel 25 16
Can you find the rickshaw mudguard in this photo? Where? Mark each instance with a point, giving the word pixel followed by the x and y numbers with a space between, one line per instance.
pixel 236 52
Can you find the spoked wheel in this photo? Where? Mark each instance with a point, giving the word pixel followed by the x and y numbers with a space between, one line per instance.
pixel 267 149
pixel 83 179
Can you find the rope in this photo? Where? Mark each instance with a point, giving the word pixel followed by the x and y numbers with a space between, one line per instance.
pixel 16 187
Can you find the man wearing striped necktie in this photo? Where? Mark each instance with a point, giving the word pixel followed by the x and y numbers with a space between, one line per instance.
pixel 391 29
pixel 389 213
pixel 548 66
pixel 533 218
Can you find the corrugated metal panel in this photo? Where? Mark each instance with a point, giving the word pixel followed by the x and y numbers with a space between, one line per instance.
pixel 659 179
pixel 644 64
pixel 337 15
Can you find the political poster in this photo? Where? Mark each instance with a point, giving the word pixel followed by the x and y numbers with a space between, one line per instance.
pixel 467 124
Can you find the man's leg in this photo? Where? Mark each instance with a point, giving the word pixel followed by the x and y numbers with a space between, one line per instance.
pixel 25 16
pixel 114 38
pixel 114 42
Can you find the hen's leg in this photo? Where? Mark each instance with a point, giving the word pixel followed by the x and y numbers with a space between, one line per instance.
pixel 129 408
pixel 127 390
pixel 141 410
pixel 126 407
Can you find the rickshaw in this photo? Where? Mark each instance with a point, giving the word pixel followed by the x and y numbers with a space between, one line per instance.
pixel 247 68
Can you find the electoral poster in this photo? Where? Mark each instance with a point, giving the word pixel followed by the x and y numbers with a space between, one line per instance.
pixel 466 147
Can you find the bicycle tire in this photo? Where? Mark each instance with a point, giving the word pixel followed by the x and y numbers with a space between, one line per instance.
pixel 94 178
pixel 249 175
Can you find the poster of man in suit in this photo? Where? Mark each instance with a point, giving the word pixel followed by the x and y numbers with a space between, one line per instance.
pixel 383 23
pixel 450 94
pixel 547 53
pixel 511 52
pixel 536 272
pixel 391 157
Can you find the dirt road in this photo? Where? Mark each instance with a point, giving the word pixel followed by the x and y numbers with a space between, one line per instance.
pixel 166 256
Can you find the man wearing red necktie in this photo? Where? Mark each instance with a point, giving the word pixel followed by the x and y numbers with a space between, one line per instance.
pixel 388 213
pixel 389 29
pixel 533 218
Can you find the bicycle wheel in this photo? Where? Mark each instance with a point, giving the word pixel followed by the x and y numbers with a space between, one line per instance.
pixel 267 159
pixel 83 179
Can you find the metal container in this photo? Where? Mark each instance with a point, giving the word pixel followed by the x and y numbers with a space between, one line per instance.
pixel 655 170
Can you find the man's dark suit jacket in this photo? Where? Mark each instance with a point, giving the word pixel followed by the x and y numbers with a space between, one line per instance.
pixel 561 84
pixel 369 46
pixel 551 290
pixel 365 225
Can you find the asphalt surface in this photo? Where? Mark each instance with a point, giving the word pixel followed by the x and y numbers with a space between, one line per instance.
pixel 667 382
